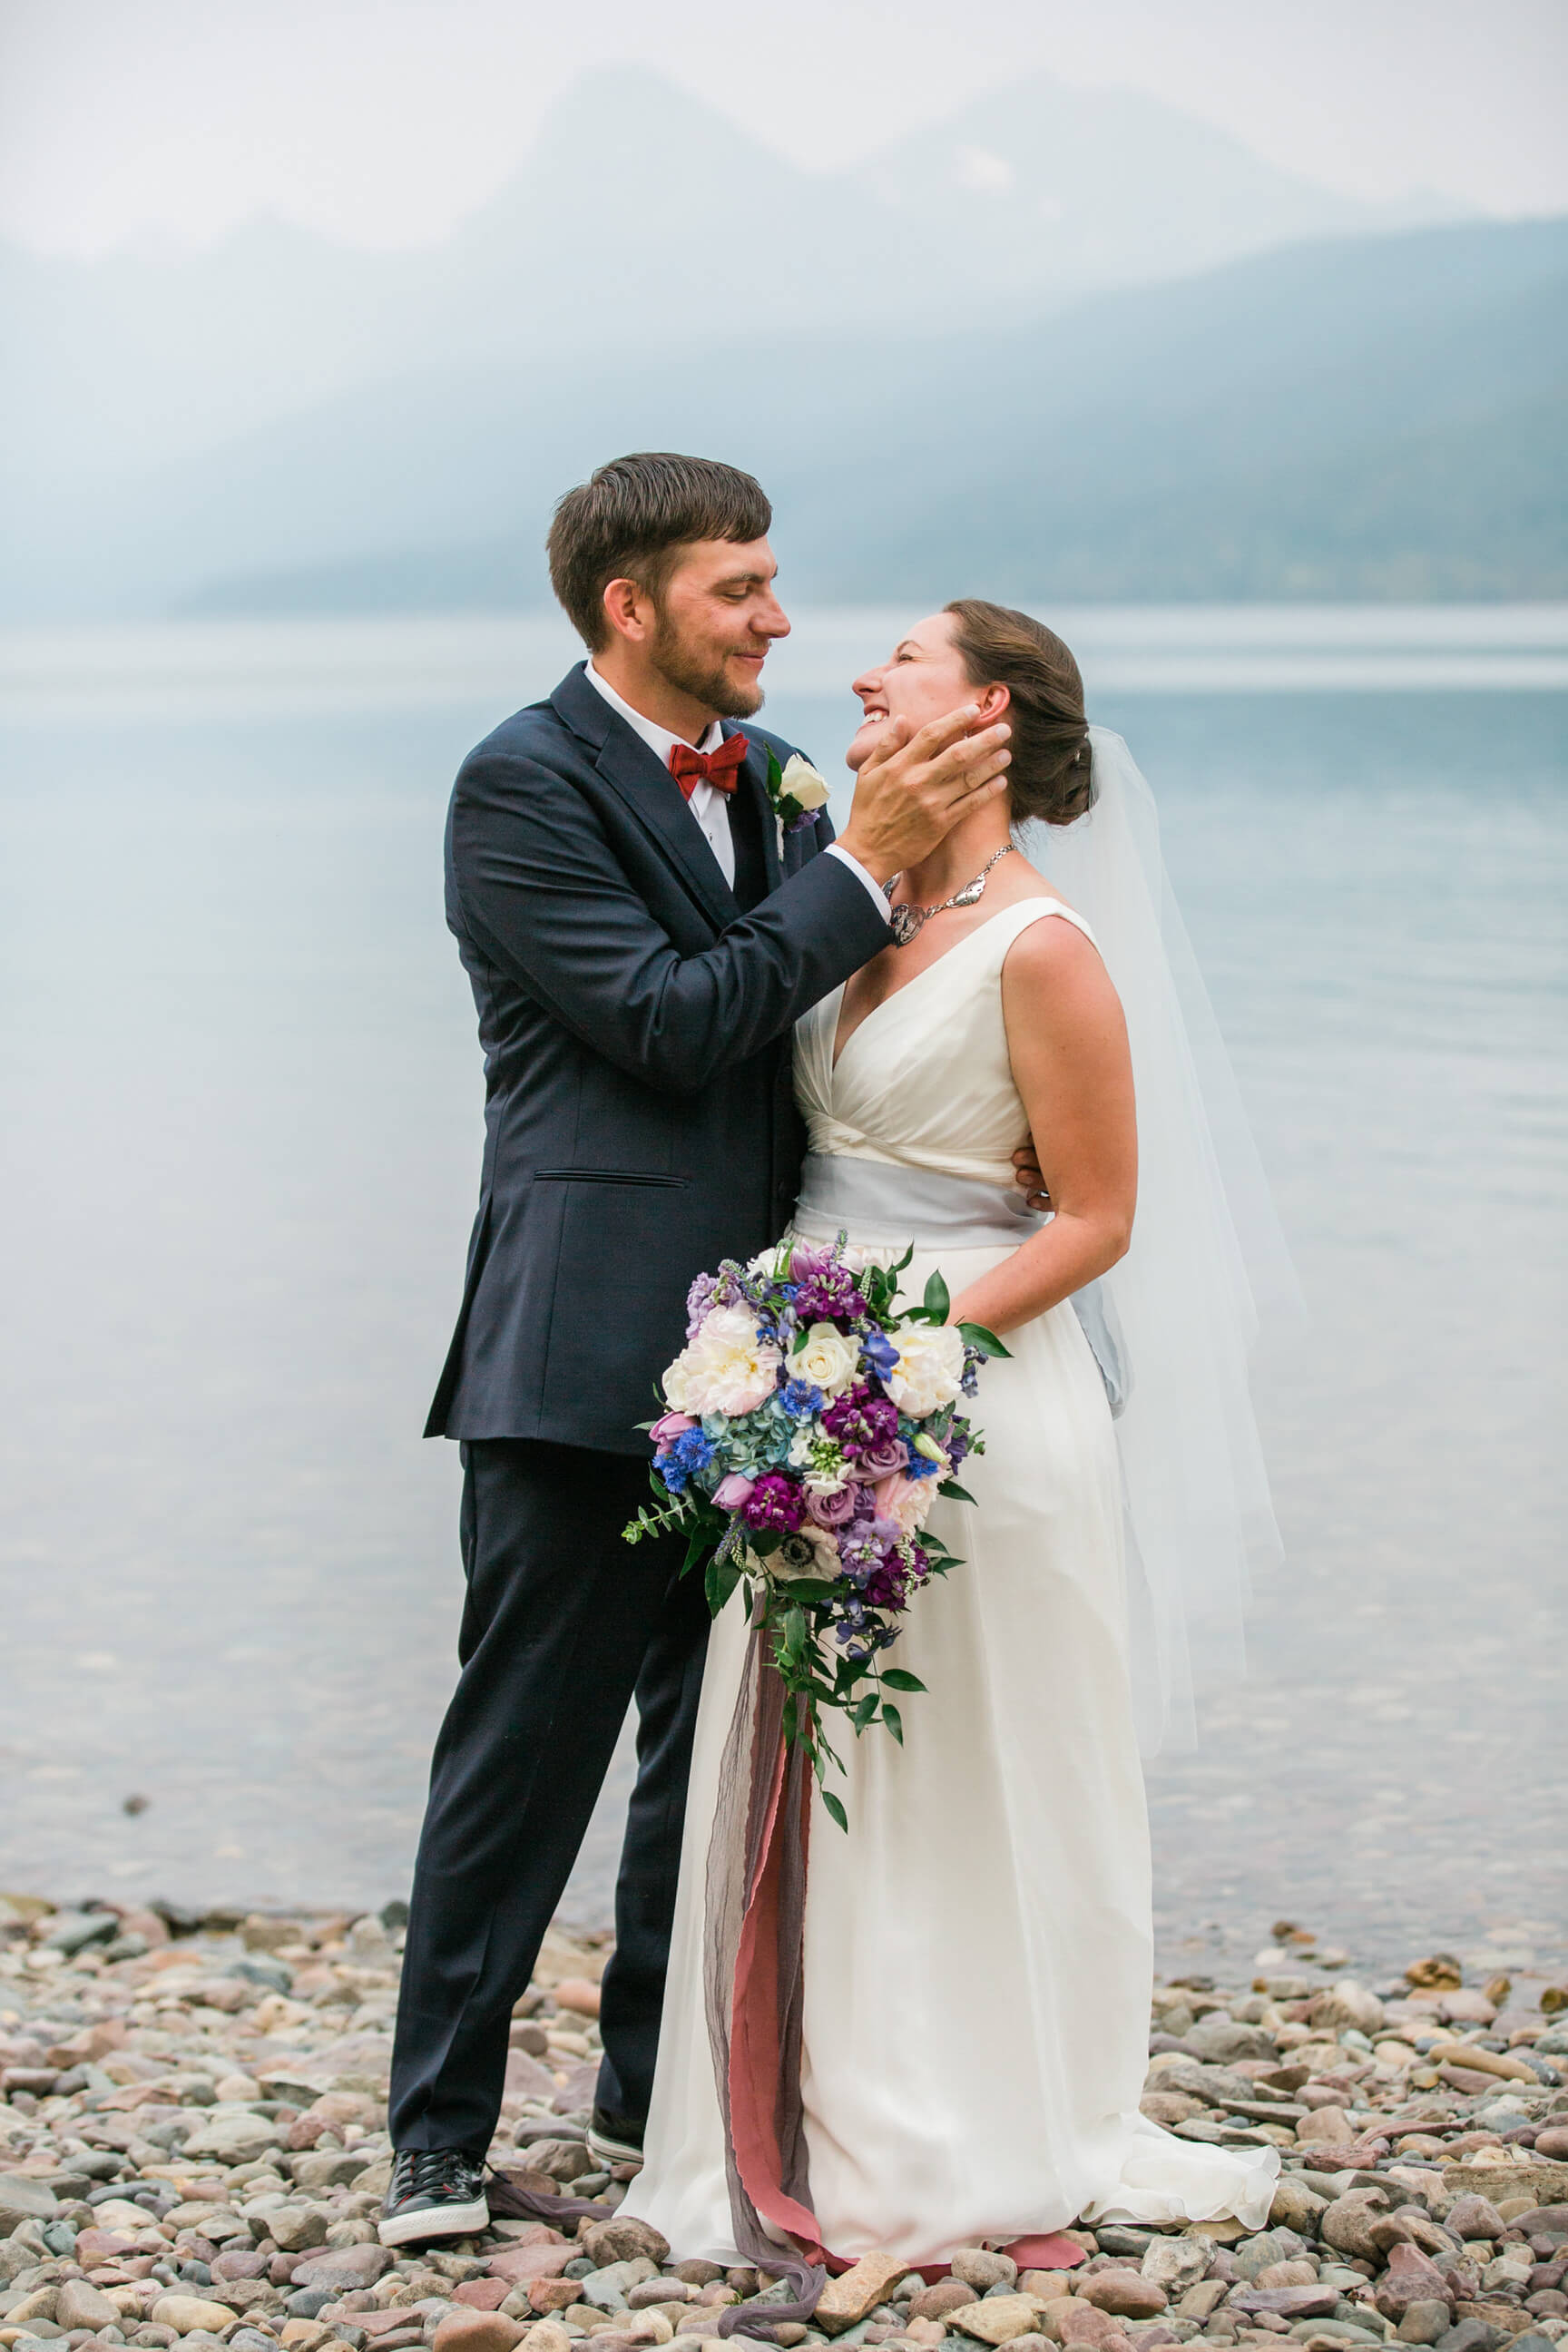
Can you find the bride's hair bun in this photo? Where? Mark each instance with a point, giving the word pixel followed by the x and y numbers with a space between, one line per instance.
pixel 1051 776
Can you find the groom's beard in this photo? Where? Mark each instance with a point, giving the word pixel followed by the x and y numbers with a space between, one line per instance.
pixel 710 685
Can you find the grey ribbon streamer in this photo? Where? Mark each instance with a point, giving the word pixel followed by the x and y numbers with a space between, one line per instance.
pixel 745 1775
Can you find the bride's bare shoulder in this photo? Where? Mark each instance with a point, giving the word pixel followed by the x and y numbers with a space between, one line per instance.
pixel 1053 964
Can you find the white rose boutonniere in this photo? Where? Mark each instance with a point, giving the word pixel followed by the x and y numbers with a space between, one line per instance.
pixel 803 784
pixel 796 792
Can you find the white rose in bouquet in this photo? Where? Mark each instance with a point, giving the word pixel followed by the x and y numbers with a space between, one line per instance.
pixel 828 1359
pixel 725 1369
pixel 930 1369
pixel 804 785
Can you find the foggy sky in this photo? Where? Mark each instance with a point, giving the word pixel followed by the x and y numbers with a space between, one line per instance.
pixel 384 121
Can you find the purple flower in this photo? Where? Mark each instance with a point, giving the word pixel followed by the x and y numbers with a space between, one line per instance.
pixel 860 1418
pixel 773 1502
pixel 734 1491
pixel 886 1587
pixel 808 1259
pixel 831 1297
pixel 699 1299
pixel 831 1510
pixel 883 1459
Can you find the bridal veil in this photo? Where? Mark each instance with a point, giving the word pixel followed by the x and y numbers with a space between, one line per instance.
pixel 1207 1269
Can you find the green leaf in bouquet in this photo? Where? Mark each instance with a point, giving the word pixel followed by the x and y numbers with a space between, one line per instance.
pixel 720 1582
pixel 952 1492
pixel 975 1335
pixel 764 1541
pixel 836 1810
pixel 900 1263
pixel 776 773
pixel 810 1592
pixel 894 1720
pixel 699 1542
pixel 936 1301
pixel 898 1678
pixel 866 1712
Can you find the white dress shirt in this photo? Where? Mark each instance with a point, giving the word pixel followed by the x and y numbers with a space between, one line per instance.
pixel 707 805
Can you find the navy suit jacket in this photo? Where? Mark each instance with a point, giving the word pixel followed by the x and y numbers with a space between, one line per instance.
pixel 636 1017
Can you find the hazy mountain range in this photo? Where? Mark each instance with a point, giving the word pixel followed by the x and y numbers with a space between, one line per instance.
pixel 1069 342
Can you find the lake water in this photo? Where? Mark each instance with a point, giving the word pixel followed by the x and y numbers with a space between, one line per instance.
pixel 239 1157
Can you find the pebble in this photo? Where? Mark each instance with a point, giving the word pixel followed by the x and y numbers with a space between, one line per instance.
pixel 219 2095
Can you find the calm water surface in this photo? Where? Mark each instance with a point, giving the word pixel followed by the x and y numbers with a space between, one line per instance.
pixel 240 1157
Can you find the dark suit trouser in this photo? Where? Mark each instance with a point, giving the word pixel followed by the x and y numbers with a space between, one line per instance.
pixel 563 1625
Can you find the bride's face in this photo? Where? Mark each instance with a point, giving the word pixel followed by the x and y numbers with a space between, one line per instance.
pixel 923 678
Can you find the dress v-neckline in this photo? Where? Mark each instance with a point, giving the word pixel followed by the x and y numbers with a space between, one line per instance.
pixel 838 1051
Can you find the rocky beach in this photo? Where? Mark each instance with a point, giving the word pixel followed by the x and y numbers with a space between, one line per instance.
pixel 193 2152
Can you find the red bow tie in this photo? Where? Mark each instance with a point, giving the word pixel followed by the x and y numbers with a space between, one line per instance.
pixel 720 768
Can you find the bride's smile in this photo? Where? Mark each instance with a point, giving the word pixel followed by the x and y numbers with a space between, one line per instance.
pixel 923 679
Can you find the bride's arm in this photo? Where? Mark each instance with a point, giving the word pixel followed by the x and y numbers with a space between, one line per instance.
pixel 1067 1041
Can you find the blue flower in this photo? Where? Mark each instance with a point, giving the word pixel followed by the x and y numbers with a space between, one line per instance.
pixel 693 1452
pixel 880 1352
pixel 800 1398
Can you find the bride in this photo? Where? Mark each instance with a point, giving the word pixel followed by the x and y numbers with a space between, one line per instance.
pixel 977 1950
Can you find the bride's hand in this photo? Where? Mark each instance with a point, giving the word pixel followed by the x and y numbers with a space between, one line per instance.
pixel 913 790
pixel 1030 1176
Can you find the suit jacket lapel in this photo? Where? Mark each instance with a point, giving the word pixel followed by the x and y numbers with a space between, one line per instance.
pixel 753 783
pixel 651 794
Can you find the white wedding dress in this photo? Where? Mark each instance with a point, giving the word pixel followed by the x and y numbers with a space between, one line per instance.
pixel 978 1947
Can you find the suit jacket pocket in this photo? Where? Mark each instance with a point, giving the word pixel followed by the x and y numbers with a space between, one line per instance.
pixel 603 1176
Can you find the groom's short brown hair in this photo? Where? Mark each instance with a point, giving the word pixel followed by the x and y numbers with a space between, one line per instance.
pixel 631 518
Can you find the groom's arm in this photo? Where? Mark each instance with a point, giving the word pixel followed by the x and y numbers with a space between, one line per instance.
pixel 543 896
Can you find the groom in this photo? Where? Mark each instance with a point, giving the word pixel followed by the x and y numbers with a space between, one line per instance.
pixel 639 941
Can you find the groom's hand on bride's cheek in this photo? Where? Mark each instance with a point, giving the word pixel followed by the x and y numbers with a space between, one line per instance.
pixel 912 790
pixel 1030 1177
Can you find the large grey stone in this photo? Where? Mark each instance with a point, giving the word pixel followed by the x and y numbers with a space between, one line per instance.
pixel 344 2266
pixel 74 1930
pixel 1222 2041
pixel 1177 2264
pixel 22 2200
pixel 1254 2254
pixel 239 2137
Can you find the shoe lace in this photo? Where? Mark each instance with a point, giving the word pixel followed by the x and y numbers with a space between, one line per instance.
pixel 428 2171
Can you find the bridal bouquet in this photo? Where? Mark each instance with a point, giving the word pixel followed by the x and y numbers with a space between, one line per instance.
pixel 812 1424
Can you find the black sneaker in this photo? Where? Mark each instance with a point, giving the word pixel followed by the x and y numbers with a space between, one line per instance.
pixel 615 2140
pixel 436 2192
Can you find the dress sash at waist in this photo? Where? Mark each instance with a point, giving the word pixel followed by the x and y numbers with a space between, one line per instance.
pixel 874 1200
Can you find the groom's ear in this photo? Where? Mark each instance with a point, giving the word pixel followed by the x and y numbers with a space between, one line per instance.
pixel 629 609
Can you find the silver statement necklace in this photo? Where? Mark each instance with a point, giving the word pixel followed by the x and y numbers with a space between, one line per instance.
pixel 907 923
